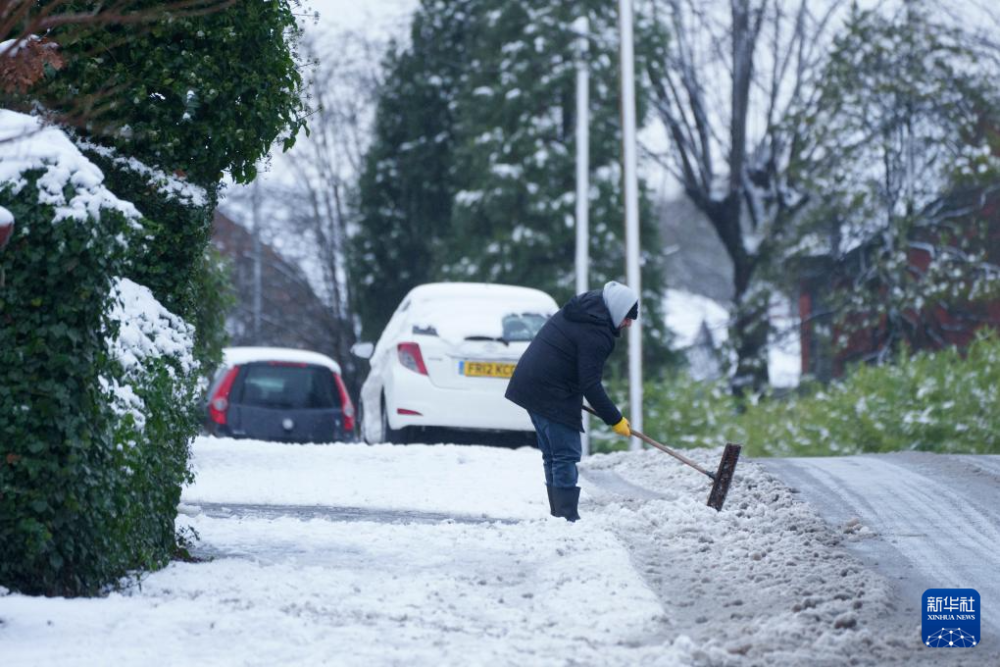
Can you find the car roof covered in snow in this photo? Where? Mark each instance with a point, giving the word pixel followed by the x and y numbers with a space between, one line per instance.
pixel 234 356
pixel 455 311
pixel 477 291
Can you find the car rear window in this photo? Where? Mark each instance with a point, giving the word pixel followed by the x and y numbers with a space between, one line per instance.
pixel 289 386
pixel 523 326
pixel 458 320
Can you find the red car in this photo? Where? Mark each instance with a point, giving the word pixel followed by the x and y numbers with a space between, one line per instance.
pixel 268 393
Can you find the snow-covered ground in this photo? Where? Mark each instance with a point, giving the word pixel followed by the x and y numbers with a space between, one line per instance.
pixel 445 555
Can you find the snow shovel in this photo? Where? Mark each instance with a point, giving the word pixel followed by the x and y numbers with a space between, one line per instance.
pixel 721 478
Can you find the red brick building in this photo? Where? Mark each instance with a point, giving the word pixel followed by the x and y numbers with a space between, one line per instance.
pixel 934 327
pixel 292 315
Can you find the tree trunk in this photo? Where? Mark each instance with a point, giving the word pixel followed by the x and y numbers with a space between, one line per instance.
pixel 749 332
pixel 750 325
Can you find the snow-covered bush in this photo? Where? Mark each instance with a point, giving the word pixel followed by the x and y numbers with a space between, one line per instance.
pixel 153 386
pixel 88 483
pixel 943 401
pixel 170 257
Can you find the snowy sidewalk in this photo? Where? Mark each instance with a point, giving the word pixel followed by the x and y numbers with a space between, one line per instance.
pixel 345 555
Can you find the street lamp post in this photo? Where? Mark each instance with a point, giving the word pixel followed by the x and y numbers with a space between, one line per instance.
pixel 631 211
pixel 582 28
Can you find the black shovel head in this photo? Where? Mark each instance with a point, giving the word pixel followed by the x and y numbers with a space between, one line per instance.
pixel 724 476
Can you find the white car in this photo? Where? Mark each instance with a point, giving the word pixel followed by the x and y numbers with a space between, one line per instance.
pixel 444 361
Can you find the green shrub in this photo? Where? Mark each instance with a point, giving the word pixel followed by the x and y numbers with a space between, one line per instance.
pixel 155 396
pixel 56 428
pixel 171 255
pixel 212 290
pixel 96 398
pixel 202 94
pixel 941 402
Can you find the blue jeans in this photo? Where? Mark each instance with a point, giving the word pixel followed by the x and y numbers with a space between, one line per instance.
pixel 561 450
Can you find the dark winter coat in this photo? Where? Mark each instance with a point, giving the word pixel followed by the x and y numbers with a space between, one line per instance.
pixel 565 362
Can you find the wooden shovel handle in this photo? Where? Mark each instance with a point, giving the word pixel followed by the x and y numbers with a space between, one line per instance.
pixel 649 441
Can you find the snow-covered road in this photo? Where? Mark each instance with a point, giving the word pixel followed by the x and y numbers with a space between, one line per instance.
pixel 445 555
pixel 929 520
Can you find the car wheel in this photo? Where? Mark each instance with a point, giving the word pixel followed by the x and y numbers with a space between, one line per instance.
pixel 389 434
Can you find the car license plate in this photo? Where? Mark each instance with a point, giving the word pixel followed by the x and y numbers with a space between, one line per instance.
pixel 486 369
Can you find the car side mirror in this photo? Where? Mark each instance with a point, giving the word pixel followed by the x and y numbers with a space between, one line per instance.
pixel 363 350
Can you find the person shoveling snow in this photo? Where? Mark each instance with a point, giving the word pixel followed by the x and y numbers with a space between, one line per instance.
pixel 563 365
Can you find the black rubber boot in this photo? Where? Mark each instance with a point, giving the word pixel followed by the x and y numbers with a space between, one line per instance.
pixel 552 506
pixel 565 502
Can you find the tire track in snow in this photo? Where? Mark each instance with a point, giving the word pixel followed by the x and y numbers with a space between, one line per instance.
pixel 987 464
pixel 235 510
pixel 976 531
pixel 890 505
pixel 937 525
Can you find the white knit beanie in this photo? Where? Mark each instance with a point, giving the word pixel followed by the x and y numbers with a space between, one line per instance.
pixel 619 299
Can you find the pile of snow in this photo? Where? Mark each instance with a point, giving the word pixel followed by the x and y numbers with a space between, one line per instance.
pixel 28 144
pixel 765 581
pixel 146 332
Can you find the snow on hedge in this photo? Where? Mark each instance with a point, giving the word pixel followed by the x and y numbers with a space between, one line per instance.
pixel 172 187
pixel 29 144
pixel 147 332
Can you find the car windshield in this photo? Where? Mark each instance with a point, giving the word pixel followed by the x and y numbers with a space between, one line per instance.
pixel 289 386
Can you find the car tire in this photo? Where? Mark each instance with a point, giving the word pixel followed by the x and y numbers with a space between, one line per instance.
pixel 390 434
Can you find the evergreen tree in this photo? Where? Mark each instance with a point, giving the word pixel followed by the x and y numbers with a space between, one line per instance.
pixel 472 173
pixel 404 190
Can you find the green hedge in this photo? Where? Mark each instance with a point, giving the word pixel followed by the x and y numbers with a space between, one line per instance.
pixel 87 493
pixel 155 396
pixel 201 94
pixel 55 424
pixel 173 256
pixel 941 402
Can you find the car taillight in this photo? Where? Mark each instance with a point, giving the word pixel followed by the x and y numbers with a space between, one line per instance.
pixel 345 402
pixel 410 357
pixel 219 402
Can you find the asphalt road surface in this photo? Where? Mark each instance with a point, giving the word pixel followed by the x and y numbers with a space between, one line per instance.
pixel 934 520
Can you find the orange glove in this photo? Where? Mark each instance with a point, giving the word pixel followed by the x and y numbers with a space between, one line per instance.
pixel 622 428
